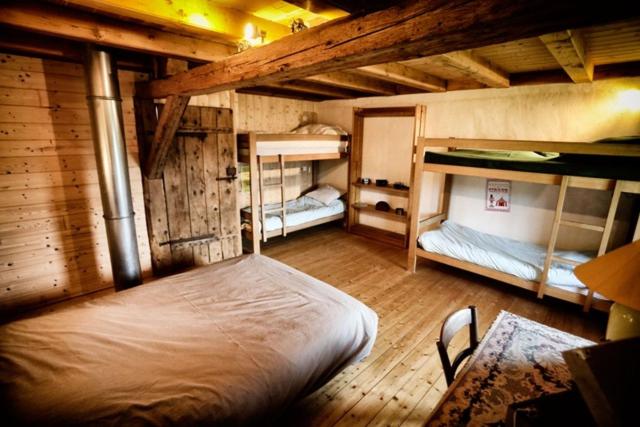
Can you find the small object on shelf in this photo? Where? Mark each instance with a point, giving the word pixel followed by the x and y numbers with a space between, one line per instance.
pixel 382 182
pixel 399 211
pixel 360 205
pixel 383 206
pixel 365 181
pixel 400 186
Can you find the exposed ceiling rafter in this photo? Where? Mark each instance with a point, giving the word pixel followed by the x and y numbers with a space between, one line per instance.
pixel 474 67
pixel 398 73
pixel 569 49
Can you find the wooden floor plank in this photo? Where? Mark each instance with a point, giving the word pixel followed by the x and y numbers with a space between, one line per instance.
pixel 401 381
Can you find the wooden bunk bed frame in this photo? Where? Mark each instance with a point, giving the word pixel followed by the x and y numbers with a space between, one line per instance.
pixel 426 222
pixel 248 153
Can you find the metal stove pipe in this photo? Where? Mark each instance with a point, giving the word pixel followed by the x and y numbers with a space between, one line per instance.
pixel 103 98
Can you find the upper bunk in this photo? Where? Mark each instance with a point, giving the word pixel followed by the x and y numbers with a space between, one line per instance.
pixel 542 162
pixel 292 146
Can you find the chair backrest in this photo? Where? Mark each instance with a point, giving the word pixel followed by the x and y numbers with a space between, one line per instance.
pixel 451 326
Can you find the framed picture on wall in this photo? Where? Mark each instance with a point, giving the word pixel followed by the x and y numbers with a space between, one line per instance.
pixel 498 195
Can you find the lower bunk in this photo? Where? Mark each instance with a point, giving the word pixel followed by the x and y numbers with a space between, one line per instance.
pixel 233 343
pixel 507 260
pixel 306 211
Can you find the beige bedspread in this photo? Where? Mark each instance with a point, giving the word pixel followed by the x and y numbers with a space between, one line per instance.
pixel 223 344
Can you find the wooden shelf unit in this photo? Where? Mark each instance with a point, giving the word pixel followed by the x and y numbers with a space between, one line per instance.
pixel 387 215
pixel 418 112
pixel 388 189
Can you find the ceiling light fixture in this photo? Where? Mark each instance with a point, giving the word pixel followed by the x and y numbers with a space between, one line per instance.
pixel 253 36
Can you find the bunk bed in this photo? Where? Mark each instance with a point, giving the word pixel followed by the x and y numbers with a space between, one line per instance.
pixel 606 165
pixel 262 220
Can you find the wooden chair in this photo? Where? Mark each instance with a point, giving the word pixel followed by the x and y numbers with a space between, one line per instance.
pixel 451 326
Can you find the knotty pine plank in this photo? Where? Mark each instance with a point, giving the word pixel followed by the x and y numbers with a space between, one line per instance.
pixel 411 308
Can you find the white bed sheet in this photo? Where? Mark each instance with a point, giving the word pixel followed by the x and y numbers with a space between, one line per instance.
pixel 301 210
pixel 288 147
pixel 521 259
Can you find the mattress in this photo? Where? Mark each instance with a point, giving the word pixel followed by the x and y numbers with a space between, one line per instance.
pixel 521 259
pixel 610 167
pixel 223 344
pixel 299 211
pixel 301 146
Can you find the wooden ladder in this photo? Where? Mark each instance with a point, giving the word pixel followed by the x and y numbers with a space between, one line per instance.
pixel 281 185
pixel 559 221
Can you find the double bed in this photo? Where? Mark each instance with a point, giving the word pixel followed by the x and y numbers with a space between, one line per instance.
pixel 223 344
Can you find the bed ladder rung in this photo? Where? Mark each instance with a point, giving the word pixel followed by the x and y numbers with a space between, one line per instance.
pixel 565 260
pixel 582 225
pixel 273 210
pixel 278 185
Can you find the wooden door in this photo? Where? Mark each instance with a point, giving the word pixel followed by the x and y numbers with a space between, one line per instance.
pixel 192 211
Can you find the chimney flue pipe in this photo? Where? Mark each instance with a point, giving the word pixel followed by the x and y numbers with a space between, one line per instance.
pixel 103 99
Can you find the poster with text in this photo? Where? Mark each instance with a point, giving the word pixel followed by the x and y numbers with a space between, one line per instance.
pixel 498 195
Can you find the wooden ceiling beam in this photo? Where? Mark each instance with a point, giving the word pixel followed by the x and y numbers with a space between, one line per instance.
pixel 569 49
pixel 474 67
pixel 398 73
pixel 71 24
pixel 39 46
pixel 409 30
pixel 355 82
pixel 313 88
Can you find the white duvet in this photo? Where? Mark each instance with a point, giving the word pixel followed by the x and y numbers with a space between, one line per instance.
pixel 521 259
pixel 299 211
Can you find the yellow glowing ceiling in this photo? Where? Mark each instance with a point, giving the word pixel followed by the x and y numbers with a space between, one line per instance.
pixel 226 18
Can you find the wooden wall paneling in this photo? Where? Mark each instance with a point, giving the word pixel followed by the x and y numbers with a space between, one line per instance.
pixel 52 240
pixel 209 118
pixel 229 213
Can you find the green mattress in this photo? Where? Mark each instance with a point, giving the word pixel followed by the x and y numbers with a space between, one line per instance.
pixel 612 167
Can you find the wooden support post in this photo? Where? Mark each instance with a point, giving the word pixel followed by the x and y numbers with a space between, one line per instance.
pixel 263 214
pixel 355 167
pixel 414 205
pixel 254 179
pixel 282 194
pixel 606 234
pixel 419 128
pixel 554 235
pixel 166 128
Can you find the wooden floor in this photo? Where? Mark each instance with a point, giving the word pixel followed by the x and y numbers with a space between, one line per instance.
pixel 401 381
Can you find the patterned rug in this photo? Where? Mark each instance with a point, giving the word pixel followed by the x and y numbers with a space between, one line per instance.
pixel 518 359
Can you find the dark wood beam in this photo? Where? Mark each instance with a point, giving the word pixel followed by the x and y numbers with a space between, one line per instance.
pixel 168 123
pixel 77 25
pixel 410 30
pixel 355 82
pixel 399 73
pixel 316 89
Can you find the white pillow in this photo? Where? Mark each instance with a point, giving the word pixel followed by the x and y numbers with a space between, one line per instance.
pixel 324 194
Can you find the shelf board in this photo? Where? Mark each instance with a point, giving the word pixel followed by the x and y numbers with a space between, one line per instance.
pixel 387 189
pixel 369 209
